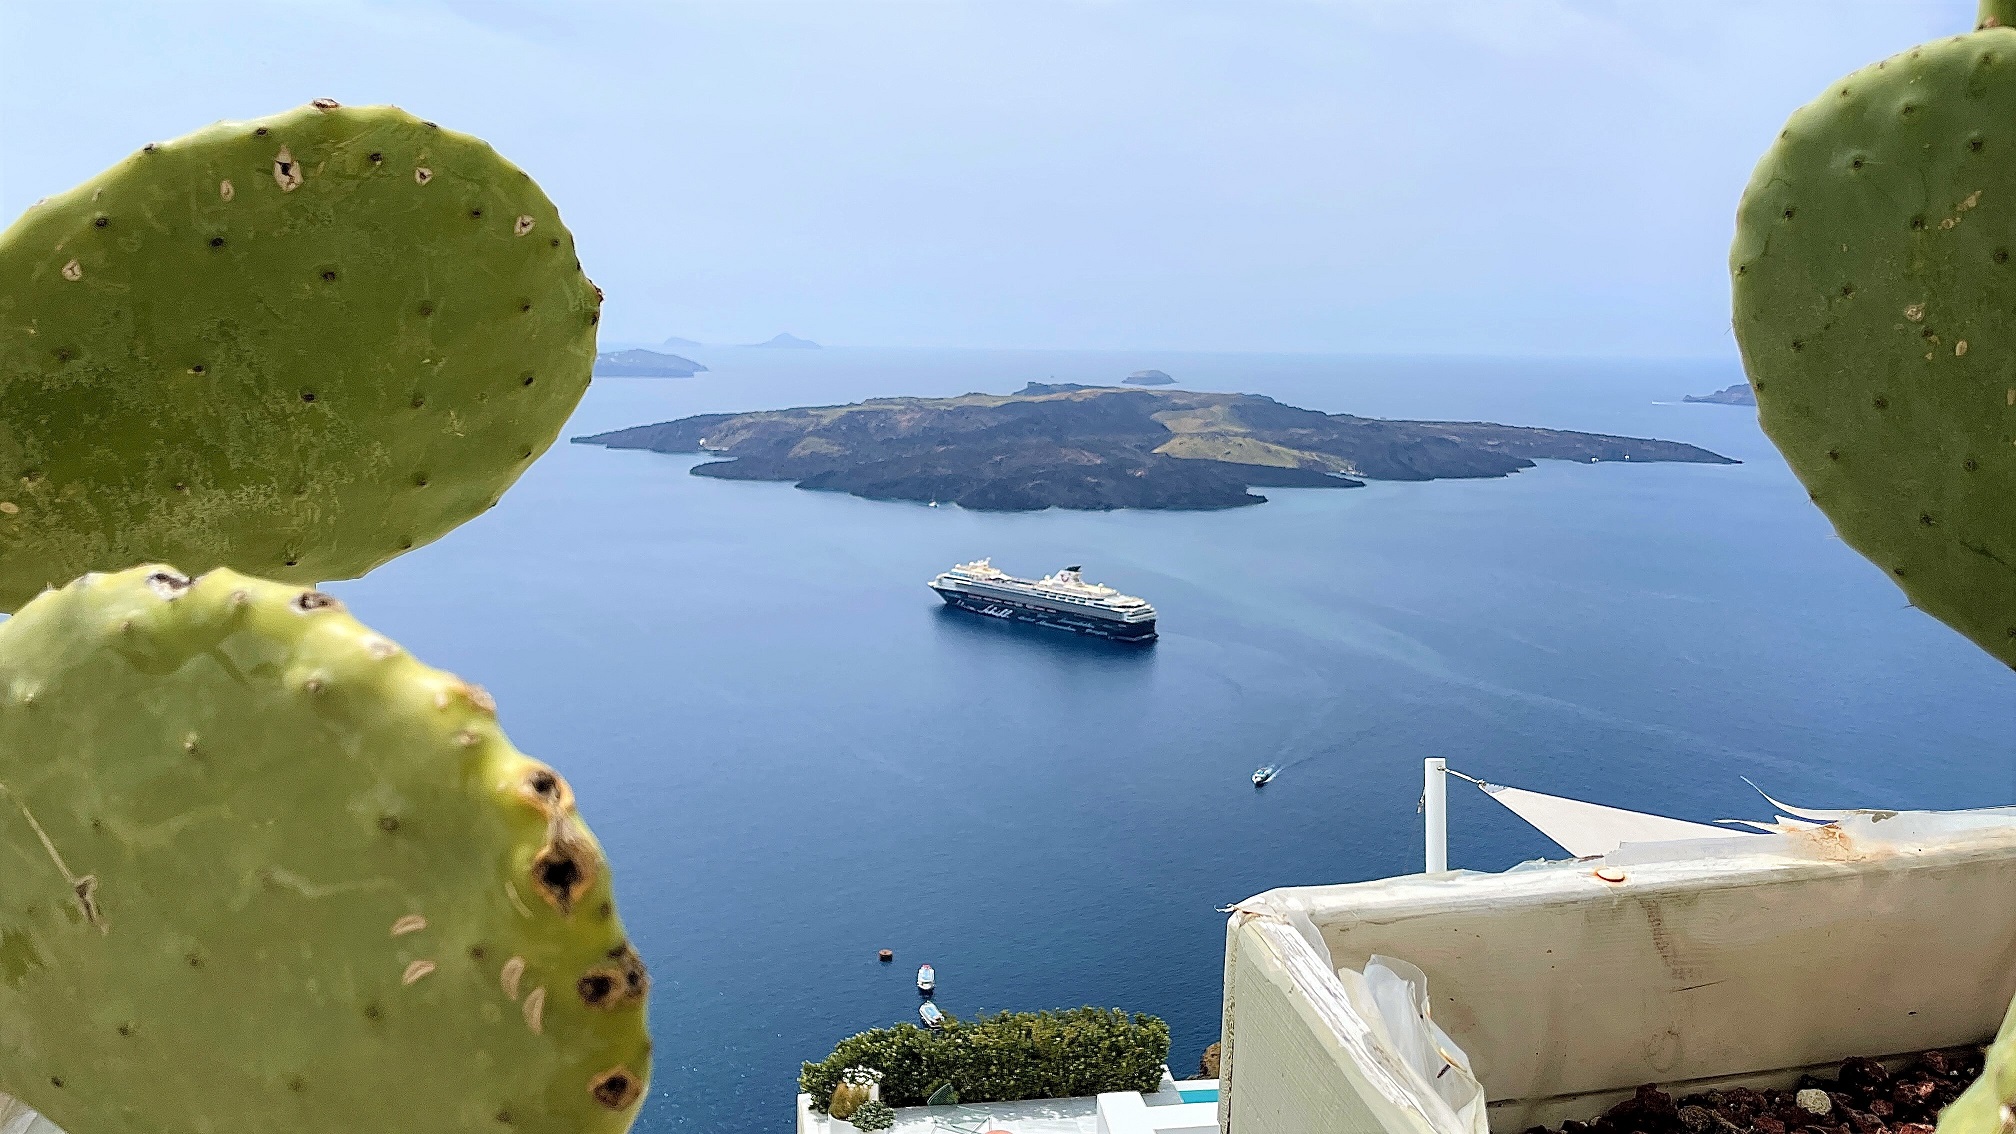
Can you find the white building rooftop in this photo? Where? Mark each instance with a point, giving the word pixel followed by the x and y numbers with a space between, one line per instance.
pixel 1188 1107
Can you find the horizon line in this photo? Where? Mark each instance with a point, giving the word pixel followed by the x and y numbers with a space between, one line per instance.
pixel 1593 356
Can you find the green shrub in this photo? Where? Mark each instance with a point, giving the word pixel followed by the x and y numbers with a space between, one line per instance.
pixel 874 1115
pixel 1005 1057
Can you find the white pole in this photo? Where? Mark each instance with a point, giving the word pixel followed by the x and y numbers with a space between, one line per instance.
pixel 1435 806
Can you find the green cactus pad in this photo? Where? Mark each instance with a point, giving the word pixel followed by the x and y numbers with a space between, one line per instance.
pixel 1989 1106
pixel 295 346
pixel 267 872
pixel 1875 304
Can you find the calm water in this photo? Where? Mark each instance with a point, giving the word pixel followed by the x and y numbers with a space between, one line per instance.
pixel 796 757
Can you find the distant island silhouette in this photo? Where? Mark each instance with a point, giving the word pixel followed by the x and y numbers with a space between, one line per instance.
pixel 644 364
pixel 1103 447
pixel 785 341
pixel 1148 378
pixel 1738 395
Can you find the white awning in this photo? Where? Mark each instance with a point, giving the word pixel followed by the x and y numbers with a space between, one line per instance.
pixel 1585 829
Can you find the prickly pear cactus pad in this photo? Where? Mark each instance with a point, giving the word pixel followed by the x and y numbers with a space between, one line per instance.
pixel 266 872
pixel 1989 1106
pixel 295 346
pixel 1875 303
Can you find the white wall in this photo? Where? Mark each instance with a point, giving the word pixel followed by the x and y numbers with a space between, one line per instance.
pixel 1741 958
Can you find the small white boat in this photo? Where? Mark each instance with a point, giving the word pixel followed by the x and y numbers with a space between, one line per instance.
pixel 926 979
pixel 929 1013
pixel 1261 776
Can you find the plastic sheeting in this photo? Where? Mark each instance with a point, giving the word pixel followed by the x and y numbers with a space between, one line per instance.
pixel 1391 997
pixel 1398 991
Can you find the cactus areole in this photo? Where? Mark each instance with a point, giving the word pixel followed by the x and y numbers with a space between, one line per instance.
pixel 265 871
pixel 295 346
pixel 1874 274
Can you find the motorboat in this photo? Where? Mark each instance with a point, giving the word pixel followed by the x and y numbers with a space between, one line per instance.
pixel 929 1013
pixel 1262 775
pixel 926 979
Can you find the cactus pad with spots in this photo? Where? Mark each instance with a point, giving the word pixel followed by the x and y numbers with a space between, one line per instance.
pixel 265 871
pixel 295 346
pixel 1874 272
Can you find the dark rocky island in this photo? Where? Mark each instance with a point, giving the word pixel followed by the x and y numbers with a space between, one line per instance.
pixel 1102 447
pixel 1148 378
pixel 644 364
pixel 1738 395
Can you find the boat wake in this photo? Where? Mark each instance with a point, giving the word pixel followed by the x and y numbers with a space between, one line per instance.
pixel 1272 770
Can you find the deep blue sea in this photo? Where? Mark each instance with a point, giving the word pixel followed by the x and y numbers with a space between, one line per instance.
pixel 796 757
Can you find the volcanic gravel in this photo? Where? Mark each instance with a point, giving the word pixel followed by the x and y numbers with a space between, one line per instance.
pixel 1865 1099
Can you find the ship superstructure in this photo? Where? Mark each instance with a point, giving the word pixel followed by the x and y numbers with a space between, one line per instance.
pixel 1063 600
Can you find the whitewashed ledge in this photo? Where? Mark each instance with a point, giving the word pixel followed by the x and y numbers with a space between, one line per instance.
pixel 1162 1111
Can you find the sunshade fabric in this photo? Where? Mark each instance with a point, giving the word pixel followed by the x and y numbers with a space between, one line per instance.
pixel 1584 829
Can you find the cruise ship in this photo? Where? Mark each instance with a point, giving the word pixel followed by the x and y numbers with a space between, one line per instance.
pixel 1064 600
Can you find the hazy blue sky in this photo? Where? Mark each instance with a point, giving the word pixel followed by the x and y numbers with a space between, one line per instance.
pixel 1463 176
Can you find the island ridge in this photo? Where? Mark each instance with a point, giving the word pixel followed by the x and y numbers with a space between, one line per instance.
pixel 1100 447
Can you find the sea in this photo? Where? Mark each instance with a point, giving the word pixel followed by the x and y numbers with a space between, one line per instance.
pixel 796 756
